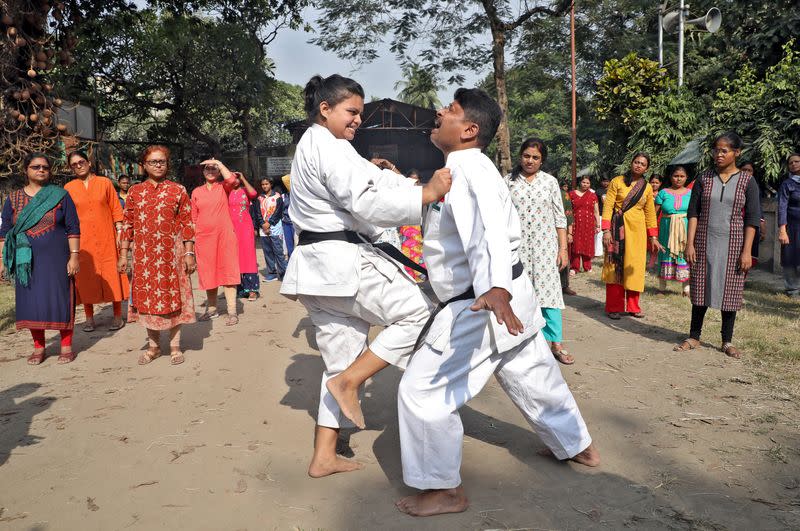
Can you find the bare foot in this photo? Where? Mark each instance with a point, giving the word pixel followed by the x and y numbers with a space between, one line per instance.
pixel 320 468
pixel 589 457
pixel 347 398
pixel 431 502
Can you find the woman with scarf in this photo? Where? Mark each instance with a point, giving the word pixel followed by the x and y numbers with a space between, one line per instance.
pixel 789 227
pixel 629 221
pixel 40 239
pixel 723 215
pixel 672 231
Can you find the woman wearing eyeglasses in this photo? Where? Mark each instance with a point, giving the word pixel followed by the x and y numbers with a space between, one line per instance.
pixel 40 239
pixel 158 222
pixel 100 214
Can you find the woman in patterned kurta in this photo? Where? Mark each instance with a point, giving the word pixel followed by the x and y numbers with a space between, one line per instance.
pixel 724 212
pixel 40 238
pixel 239 203
pixel 543 249
pixel 587 224
pixel 625 284
pixel 217 246
pixel 100 213
pixel 158 221
pixel 672 226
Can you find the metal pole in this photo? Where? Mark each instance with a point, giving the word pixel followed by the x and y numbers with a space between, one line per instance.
pixel 660 36
pixel 681 25
pixel 574 100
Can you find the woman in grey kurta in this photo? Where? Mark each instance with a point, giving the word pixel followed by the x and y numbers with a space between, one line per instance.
pixel 723 215
pixel 543 249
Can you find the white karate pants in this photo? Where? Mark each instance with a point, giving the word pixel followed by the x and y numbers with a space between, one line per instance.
pixel 342 324
pixel 437 383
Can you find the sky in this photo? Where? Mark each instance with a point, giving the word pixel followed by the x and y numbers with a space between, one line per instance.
pixel 296 61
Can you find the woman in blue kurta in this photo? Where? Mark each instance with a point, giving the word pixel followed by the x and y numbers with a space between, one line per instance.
pixel 672 230
pixel 789 227
pixel 41 241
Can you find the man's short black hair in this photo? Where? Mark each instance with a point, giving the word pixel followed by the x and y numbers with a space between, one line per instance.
pixel 480 108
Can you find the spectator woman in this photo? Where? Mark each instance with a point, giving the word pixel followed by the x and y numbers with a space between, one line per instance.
pixel 158 225
pixel 40 239
pixel 239 202
pixel 789 227
pixel 543 249
pixel 100 214
pixel 723 215
pixel 629 220
pixel 217 246
pixel 586 225
pixel 270 218
pixel 672 231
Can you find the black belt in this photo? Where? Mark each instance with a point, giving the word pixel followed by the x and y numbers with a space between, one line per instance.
pixel 307 237
pixel 516 272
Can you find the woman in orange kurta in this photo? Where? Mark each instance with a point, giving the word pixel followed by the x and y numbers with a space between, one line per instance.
pixel 629 221
pixel 100 213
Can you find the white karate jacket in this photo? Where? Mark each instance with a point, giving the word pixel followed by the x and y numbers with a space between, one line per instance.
pixel 333 189
pixel 471 239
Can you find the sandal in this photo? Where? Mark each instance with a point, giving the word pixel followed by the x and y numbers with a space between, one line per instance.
pixel 36 358
pixel 117 325
pixel 66 357
pixel 638 315
pixel 88 326
pixel 731 351
pixel 231 320
pixel 253 296
pixel 149 355
pixel 614 315
pixel 208 316
pixel 687 344
pixel 176 357
pixel 563 357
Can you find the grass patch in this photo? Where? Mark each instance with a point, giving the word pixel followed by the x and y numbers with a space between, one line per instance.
pixel 7 304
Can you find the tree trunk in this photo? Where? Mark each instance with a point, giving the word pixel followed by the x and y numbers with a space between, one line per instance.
pixel 251 159
pixel 499 63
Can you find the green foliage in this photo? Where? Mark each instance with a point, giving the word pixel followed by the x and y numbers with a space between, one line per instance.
pixel 419 86
pixel 765 112
pixel 663 126
pixel 626 87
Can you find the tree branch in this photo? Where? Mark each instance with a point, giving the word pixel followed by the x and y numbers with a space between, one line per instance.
pixel 554 11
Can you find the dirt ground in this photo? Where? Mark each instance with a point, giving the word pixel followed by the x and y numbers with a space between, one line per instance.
pixel 688 441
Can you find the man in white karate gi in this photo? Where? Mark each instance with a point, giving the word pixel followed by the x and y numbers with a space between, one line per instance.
pixel 470 249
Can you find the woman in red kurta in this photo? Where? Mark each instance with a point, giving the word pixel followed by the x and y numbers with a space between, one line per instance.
pixel 586 225
pixel 100 215
pixel 217 247
pixel 158 221
pixel 239 202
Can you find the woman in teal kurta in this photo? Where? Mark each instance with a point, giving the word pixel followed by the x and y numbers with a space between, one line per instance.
pixel 672 230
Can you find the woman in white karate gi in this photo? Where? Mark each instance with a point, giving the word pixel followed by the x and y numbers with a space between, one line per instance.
pixel 471 248
pixel 340 203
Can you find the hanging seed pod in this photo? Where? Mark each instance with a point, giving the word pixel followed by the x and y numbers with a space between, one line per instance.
pixel 39 99
pixel 25 95
pixel 48 87
pixel 31 73
pixel 14 114
pixel 17 95
pixel 41 56
pixel 21 117
pixel 45 121
pixel 11 32
pixel 36 87
pixel 33 117
pixel 7 20
pixel 20 42
pixel 61 128
pixel 47 112
pixel 41 65
pixel 57 102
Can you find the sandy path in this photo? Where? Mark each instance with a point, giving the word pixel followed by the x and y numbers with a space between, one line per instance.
pixel 222 442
